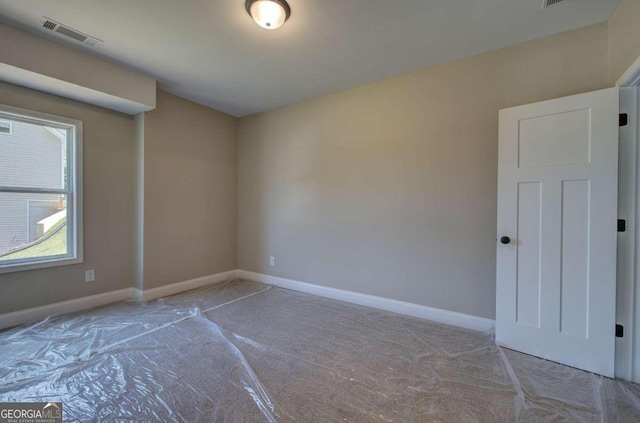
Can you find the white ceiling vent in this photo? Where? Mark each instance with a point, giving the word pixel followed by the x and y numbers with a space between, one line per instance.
pixel 549 3
pixel 51 25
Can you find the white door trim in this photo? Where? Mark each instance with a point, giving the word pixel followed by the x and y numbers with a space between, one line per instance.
pixel 626 264
pixel 636 313
pixel 628 356
pixel 631 78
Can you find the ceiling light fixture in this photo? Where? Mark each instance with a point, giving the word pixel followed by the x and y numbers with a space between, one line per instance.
pixel 269 14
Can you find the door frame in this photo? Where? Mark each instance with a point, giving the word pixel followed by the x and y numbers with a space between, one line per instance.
pixel 627 364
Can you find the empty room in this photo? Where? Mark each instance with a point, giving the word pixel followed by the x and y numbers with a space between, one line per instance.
pixel 319 211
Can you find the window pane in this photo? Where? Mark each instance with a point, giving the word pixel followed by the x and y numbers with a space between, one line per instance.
pixel 32 226
pixel 33 156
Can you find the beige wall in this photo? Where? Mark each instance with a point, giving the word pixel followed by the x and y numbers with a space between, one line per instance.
pixel 624 38
pixel 108 202
pixel 389 189
pixel 189 191
pixel 189 199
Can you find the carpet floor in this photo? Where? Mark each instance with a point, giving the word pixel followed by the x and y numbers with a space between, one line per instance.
pixel 242 351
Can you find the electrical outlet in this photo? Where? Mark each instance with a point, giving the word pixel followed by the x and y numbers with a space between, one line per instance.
pixel 272 261
pixel 89 275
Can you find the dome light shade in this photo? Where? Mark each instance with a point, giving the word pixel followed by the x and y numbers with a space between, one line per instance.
pixel 269 14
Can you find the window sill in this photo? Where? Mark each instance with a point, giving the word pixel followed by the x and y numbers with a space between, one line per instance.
pixel 22 267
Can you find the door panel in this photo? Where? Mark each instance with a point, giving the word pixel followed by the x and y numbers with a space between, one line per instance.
pixel 528 253
pixel 574 279
pixel 559 138
pixel 557 201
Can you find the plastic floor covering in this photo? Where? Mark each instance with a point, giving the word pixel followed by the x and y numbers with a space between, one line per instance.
pixel 247 352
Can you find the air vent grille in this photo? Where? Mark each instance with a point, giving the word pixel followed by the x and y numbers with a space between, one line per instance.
pixel 549 3
pixel 68 32
pixel 73 34
pixel 49 25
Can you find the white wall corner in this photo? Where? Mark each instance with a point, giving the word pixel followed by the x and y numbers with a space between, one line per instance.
pixel 409 309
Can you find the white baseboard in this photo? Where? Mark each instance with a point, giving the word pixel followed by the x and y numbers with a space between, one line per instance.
pixel 33 314
pixel 175 288
pixel 423 312
pixel 16 318
pixel 415 310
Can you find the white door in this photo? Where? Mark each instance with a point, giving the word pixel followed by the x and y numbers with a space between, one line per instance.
pixel 557 204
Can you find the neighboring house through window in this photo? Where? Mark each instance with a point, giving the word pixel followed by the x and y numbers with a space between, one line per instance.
pixel 5 127
pixel 40 190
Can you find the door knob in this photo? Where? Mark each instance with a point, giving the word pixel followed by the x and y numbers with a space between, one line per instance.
pixel 505 240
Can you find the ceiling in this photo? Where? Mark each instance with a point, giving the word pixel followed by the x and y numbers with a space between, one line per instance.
pixel 211 52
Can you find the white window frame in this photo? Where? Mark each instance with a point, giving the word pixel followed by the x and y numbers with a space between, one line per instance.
pixel 73 191
pixel 10 127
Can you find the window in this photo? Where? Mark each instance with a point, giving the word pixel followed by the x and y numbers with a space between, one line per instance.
pixel 5 127
pixel 40 190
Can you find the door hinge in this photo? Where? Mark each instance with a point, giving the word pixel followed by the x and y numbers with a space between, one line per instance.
pixel 619 331
pixel 622 225
pixel 623 120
